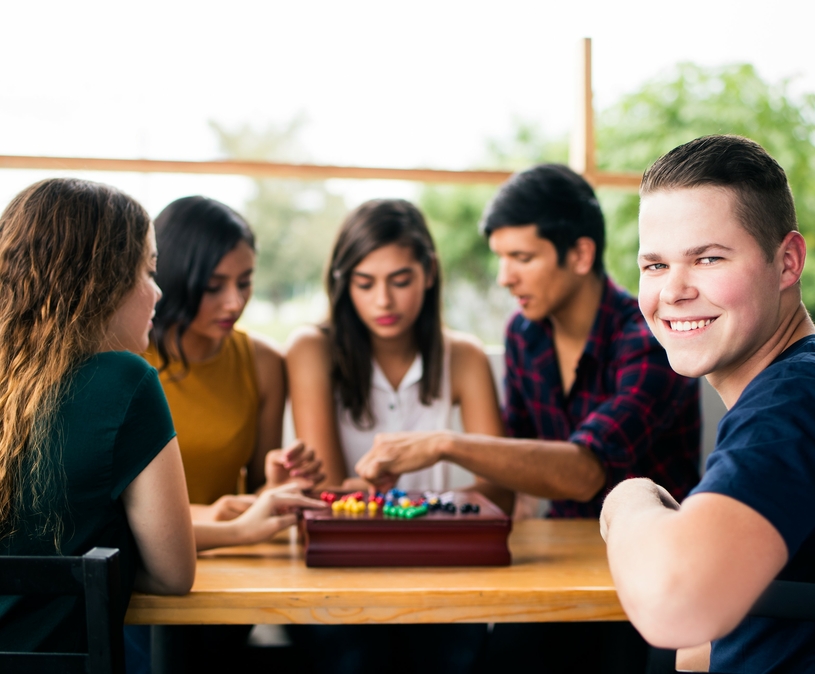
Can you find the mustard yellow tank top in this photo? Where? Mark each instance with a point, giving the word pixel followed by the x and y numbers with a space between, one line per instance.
pixel 215 410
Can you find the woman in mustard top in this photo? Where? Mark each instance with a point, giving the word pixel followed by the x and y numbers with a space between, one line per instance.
pixel 226 389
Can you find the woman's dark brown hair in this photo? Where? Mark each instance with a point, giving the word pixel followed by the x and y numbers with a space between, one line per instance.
pixel 192 235
pixel 372 225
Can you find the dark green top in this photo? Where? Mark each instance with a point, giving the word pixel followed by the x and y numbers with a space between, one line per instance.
pixel 112 422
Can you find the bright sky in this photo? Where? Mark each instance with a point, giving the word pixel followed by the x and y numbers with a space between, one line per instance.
pixel 381 83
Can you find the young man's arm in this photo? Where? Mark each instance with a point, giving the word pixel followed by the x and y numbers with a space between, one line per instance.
pixel 687 575
pixel 647 400
pixel 549 469
pixel 521 463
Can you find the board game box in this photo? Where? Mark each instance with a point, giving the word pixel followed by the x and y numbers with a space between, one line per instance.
pixel 466 529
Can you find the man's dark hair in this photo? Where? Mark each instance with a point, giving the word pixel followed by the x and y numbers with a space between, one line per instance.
pixel 763 203
pixel 556 199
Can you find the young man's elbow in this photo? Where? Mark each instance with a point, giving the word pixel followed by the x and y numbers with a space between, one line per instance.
pixel 670 618
pixel 590 484
pixel 663 631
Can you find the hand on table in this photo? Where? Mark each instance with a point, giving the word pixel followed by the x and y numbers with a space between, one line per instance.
pixel 260 517
pixel 271 511
pixel 631 494
pixel 228 507
pixel 393 454
pixel 296 464
pixel 224 509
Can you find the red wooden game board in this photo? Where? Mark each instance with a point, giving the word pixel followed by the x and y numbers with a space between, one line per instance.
pixel 436 539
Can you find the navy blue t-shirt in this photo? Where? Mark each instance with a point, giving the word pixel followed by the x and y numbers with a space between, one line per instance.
pixel 765 458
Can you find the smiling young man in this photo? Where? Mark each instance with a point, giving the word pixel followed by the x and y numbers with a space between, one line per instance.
pixel 721 260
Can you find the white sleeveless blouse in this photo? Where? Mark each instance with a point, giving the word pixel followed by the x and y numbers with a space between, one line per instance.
pixel 401 410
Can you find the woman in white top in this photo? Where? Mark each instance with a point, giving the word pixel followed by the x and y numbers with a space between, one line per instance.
pixel 382 361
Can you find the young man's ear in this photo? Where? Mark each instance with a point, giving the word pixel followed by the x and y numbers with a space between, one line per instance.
pixel 793 253
pixel 582 255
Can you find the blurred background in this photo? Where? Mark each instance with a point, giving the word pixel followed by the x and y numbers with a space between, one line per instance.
pixel 447 85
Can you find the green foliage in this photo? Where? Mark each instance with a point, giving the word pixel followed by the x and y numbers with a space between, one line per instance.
pixel 295 221
pixel 691 101
pixel 453 212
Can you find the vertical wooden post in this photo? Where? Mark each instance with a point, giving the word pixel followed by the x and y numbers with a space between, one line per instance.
pixel 581 151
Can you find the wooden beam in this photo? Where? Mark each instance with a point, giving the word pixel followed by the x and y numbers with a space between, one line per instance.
pixel 581 157
pixel 253 169
pixel 623 181
pixel 581 151
pixel 300 171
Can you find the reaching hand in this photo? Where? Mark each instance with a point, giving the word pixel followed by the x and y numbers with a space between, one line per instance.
pixel 396 453
pixel 296 464
pixel 271 511
pixel 259 519
pixel 230 506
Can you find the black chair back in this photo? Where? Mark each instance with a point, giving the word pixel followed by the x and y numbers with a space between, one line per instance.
pixel 783 599
pixel 94 576
pixel 787 599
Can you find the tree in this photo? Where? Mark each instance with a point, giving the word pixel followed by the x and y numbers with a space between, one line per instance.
pixel 295 221
pixel 683 103
pixel 691 101
pixel 453 212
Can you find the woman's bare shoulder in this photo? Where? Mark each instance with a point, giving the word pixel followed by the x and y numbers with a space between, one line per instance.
pixel 269 368
pixel 267 351
pixel 464 346
pixel 308 341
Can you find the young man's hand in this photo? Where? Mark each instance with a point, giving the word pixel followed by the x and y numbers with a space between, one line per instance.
pixel 396 453
pixel 632 495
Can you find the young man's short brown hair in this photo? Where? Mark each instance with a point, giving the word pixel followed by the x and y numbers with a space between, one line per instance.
pixel 764 203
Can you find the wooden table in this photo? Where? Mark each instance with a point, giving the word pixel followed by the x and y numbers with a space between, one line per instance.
pixel 558 573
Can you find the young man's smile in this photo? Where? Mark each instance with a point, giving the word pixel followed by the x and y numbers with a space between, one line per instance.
pixel 687 324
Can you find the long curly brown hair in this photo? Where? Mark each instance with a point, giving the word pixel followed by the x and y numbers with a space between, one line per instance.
pixel 70 251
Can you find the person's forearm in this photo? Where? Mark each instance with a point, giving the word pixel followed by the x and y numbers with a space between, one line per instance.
pixel 212 534
pixel 661 570
pixel 547 469
pixel 201 513
pixel 645 563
